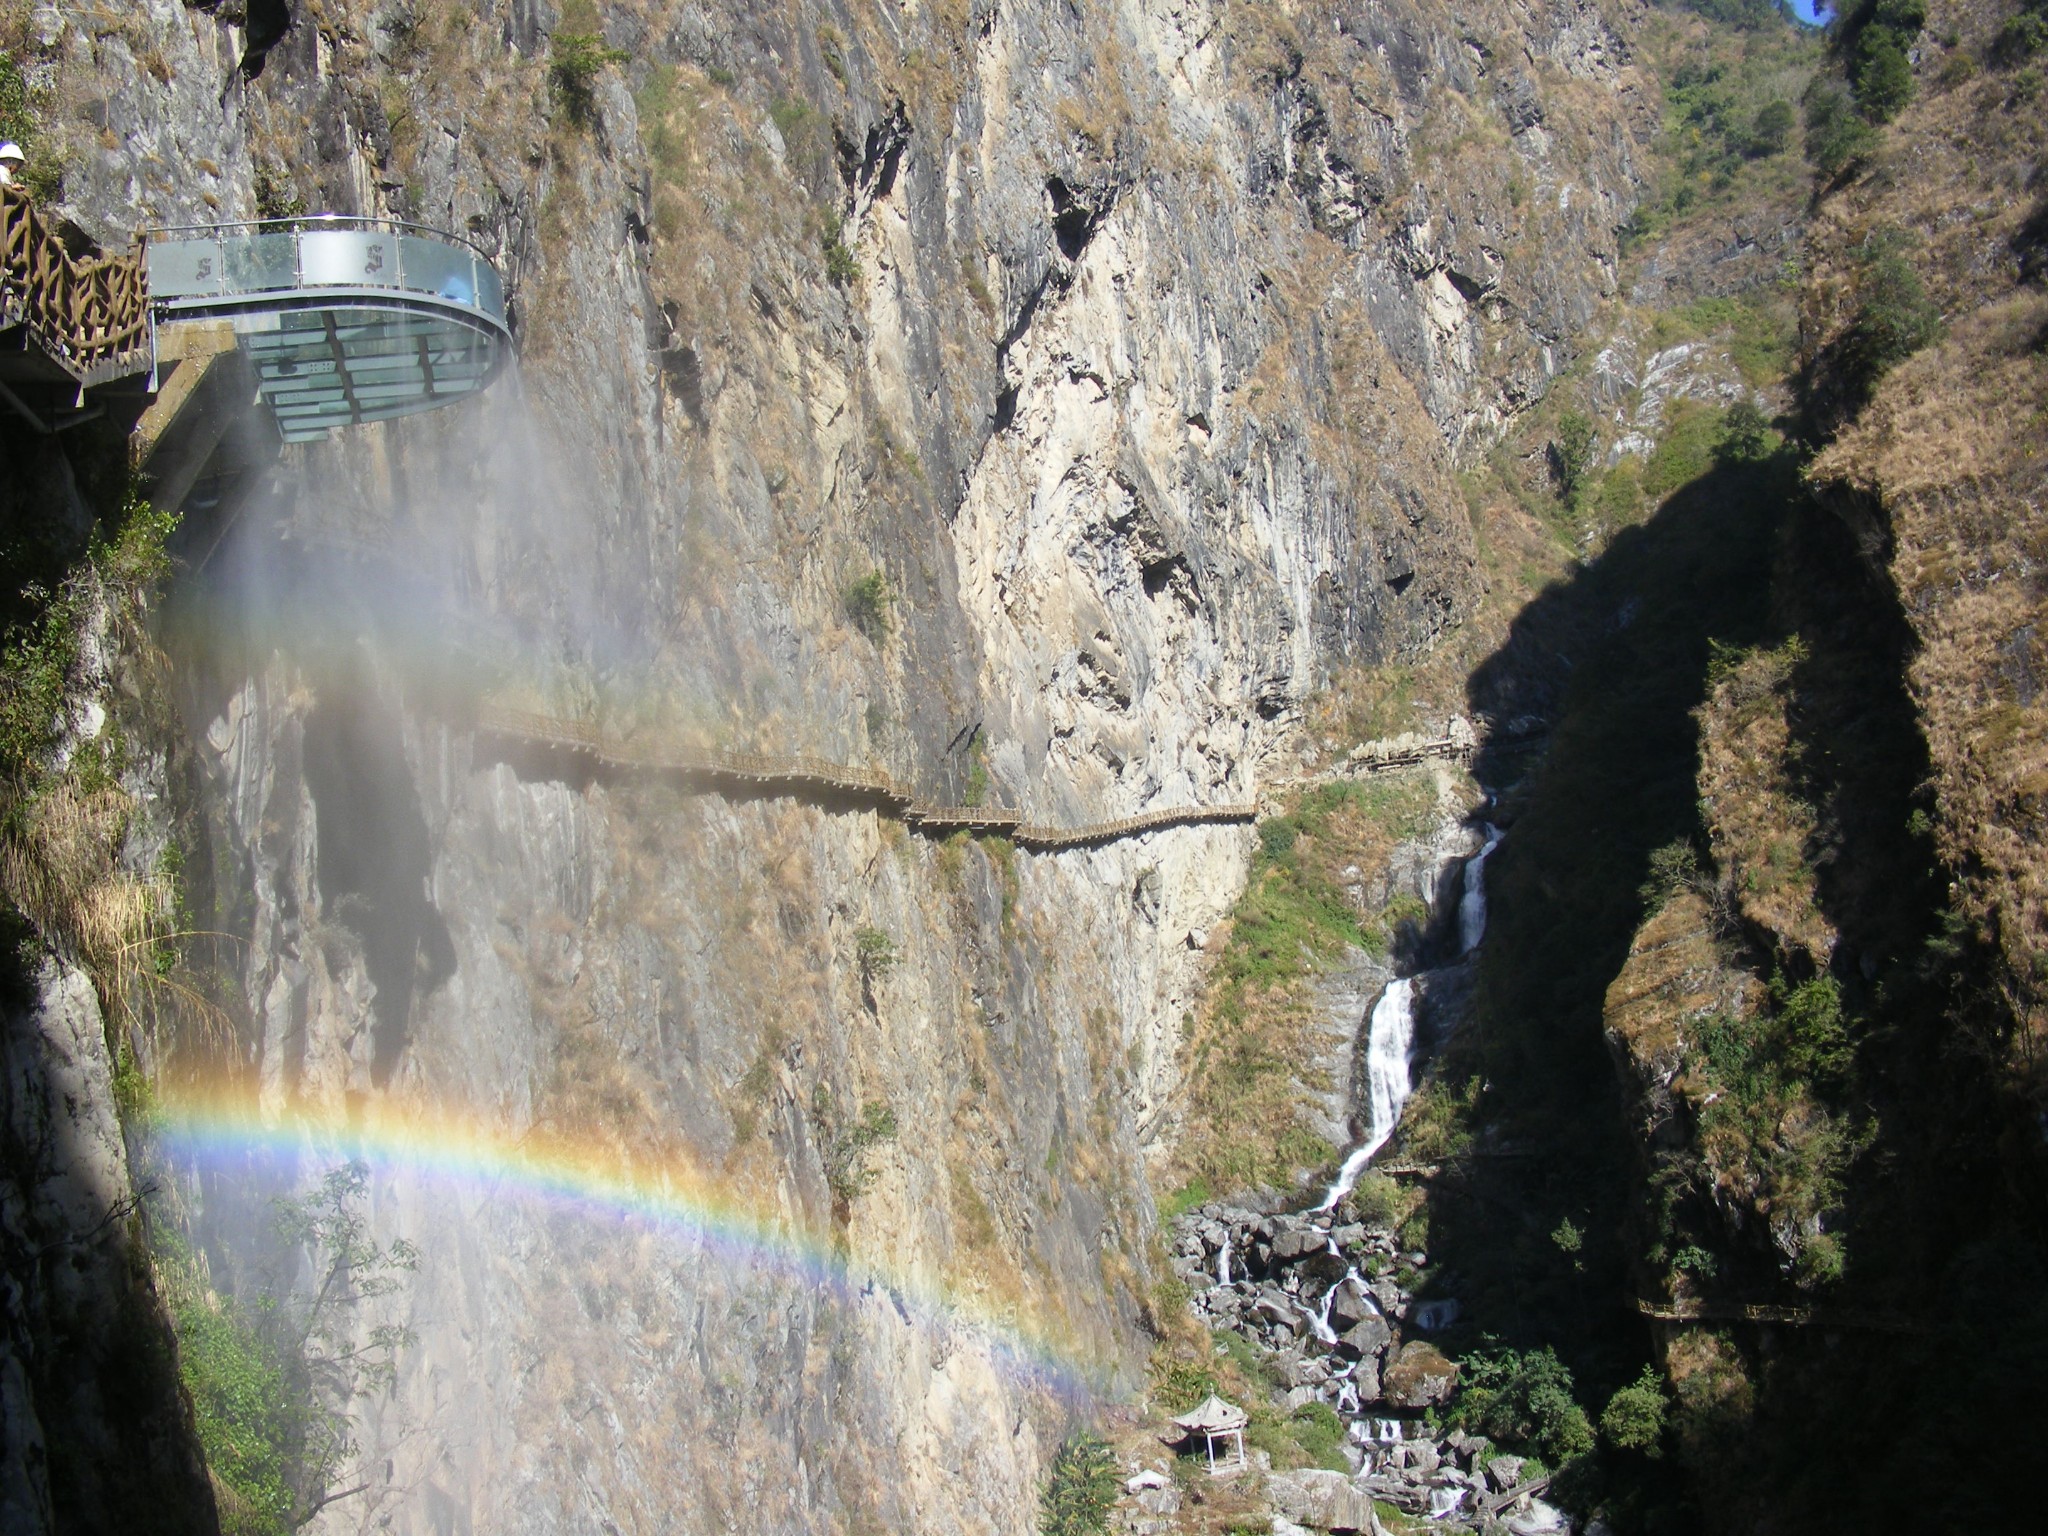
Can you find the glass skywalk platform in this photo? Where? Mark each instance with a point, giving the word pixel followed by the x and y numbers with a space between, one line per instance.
pixel 345 320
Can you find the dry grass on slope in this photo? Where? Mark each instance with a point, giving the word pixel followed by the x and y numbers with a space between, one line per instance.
pixel 1955 449
pixel 1948 463
pixel 1764 834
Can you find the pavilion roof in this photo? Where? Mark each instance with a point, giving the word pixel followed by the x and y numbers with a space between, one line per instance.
pixel 1212 1416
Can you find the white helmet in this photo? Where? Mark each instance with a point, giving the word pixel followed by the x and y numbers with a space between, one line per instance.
pixel 11 151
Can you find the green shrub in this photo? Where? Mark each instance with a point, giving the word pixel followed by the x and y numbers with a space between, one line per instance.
pixel 1320 1435
pixel 16 121
pixel 1695 1260
pixel 1277 836
pixel 867 599
pixel 2019 39
pixel 875 952
pixel 842 267
pixel 1816 1040
pixel 789 116
pixel 244 1411
pixel 1633 1419
pixel 272 1382
pixel 575 60
pixel 846 1144
pixel 1957 69
pixel 1836 134
pixel 1673 868
pixel 1180 1384
pixel 1523 1401
pixel 1376 1200
pixel 1745 434
pixel 1894 317
pixel 1884 75
pixel 1080 1490
pixel 1822 1260
pixel 1571 455
pixel 1770 132
pixel 276 197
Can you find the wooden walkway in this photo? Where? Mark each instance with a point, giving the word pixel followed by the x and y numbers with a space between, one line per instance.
pixel 817 779
pixel 1793 1316
pixel 89 318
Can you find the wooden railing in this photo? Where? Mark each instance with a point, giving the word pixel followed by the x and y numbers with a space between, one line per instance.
pixel 91 317
pixel 1798 1315
pixel 817 778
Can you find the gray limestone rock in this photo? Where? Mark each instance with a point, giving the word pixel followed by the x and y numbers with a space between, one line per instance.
pixel 1366 1338
pixel 1328 1501
pixel 1297 1242
pixel 1350 1306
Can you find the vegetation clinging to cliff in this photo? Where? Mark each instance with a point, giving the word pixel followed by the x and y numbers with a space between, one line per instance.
pixel 1247 1049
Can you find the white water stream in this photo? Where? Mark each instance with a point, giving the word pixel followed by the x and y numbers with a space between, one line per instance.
pixel 1472 901
pixel 1390 1037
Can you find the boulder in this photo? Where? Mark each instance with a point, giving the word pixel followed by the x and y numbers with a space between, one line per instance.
pixel 1364 1339
pixel 1365 1380
pixel 1420 1456
pixel 1324 1265
pixel 1504 1472
pixel 1350 1306
pixel 1390 1298
pixel 1160 1501
pixel 1293 1243
pixel 1327 1500
pixel 1418 1377
pixel 1279 1311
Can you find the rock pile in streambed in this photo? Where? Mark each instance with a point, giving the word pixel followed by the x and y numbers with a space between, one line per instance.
pixel 1318 1297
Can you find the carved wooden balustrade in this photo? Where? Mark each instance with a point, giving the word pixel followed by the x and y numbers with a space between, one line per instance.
pixel 90 317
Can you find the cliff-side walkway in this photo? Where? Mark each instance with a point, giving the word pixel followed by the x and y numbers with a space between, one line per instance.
pixel 822 781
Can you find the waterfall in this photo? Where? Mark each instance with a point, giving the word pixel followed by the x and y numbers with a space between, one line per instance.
pixel 1390 1037
pixel 1320 1323
pixel 1472 902
pixel 1223 1262
pixel 1388 1040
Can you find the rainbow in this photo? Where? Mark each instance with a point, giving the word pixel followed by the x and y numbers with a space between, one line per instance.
pixel 229 1132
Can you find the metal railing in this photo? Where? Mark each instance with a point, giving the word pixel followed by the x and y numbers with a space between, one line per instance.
pixel 212 265
pixel 90 316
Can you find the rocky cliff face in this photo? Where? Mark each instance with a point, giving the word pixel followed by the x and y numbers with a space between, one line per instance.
pixel 1133 347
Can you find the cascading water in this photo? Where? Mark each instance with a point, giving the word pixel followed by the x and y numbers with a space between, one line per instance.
pixel 1472 902
pixel 1223 1263
pixel 1390 1037
pixel 1388 1041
